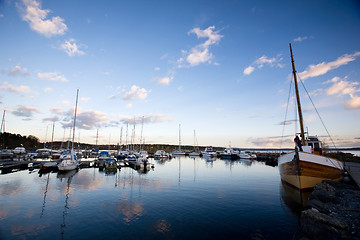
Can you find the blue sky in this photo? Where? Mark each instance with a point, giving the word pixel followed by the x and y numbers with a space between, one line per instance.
pixel 221 68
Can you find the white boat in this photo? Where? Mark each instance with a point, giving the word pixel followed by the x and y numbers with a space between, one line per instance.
pixel 251 154
pixel 69 160
pixel 209 152
pixel 161 154
pixel 19 150
pixel 229 153
pixel 178 153
pixel 243 155
pixel 306 166
pixel 194 153
pixel 43 153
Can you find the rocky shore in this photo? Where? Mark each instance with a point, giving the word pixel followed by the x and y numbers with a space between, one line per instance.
pixel 332 212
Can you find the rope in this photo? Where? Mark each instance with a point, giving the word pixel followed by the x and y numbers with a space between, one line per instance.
pixel 317 112
pixel 287 106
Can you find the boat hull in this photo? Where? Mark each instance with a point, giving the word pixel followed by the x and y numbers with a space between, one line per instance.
pixel 312 169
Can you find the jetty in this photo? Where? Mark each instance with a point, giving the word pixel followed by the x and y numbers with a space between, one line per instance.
pixel 354 171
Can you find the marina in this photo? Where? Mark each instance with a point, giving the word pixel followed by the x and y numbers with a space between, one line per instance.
pixel 181 198
pixel 180 120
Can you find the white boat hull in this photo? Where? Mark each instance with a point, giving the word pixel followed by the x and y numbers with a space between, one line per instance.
pixel 67 167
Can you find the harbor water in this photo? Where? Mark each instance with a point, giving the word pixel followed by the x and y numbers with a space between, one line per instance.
pixel 180 198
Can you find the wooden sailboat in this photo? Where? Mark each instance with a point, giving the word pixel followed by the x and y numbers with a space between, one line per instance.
pixel 69 160
pixel 306 166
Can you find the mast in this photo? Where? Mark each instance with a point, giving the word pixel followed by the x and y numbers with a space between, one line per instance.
pixel 298 99
pixel 3 123
pixel 141 138
pixel 179 138
pixel 73 138
pixel 52 139
pixel 121 137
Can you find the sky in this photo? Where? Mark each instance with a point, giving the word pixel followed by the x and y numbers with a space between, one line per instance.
pixel 217 72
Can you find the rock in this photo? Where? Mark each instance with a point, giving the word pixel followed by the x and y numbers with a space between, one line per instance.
pixel 332 212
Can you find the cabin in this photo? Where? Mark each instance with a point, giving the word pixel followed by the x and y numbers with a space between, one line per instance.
pixel 313 145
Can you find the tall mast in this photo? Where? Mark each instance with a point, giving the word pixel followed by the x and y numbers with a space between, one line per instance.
pixel 141 138
pixel 298 99
pixel 73 138
pixel 97 136
pixel 121 137
pixel 3 123
pixel 179 137
pixel 52 139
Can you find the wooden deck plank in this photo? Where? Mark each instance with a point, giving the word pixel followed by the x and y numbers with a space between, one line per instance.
pixel 354 171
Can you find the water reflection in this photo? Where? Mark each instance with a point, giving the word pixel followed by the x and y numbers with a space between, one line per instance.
pixel 294 199
pixel 45 193
pixel 69 176
pixel 183 193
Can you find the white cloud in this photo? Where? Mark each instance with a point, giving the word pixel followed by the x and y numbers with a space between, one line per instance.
pixel 136 92
pixel 84 99
pixel 56 110
pixel 353 103
pixel 150 118
pixel 342 87
pixel 156 69
pixel 91 119
pixel 300 39
pixel 18 71
pixel 71 48
pixel 129 105
pixel 20 89
pixel 249 70
pixel 164 80
pixel 273 142
pixel 323 68
pixel 261 61
pixel 201 53
pixel 25 111
pixel 51 119
pixel 36 17
pixel 52 76
pixel 65 102
pixel 47 90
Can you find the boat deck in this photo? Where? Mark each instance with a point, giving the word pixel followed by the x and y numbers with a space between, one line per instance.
pixel 354 171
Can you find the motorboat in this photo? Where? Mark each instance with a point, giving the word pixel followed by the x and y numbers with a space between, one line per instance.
pixel 209 152
pixel 229 153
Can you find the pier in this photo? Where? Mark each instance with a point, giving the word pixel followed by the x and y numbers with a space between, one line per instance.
pixel 354 171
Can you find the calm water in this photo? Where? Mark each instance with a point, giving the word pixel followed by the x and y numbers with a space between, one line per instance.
pixel 182 198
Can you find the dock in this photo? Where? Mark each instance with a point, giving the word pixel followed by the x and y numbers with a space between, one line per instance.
pixel 354 171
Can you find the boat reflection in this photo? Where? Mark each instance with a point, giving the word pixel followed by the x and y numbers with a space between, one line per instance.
pixel 294 199
pixel 45 193
pixel 69 176
pixel 246 162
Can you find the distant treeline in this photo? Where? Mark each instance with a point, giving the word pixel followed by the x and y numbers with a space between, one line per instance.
pixel 31 143
pixel 11 141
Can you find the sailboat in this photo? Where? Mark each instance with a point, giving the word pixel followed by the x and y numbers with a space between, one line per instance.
pixel 194 153
pixel 69 160
pixel 179 152
pixel 305 167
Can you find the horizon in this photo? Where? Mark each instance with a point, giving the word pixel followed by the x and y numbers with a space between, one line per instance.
pixel 219 69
